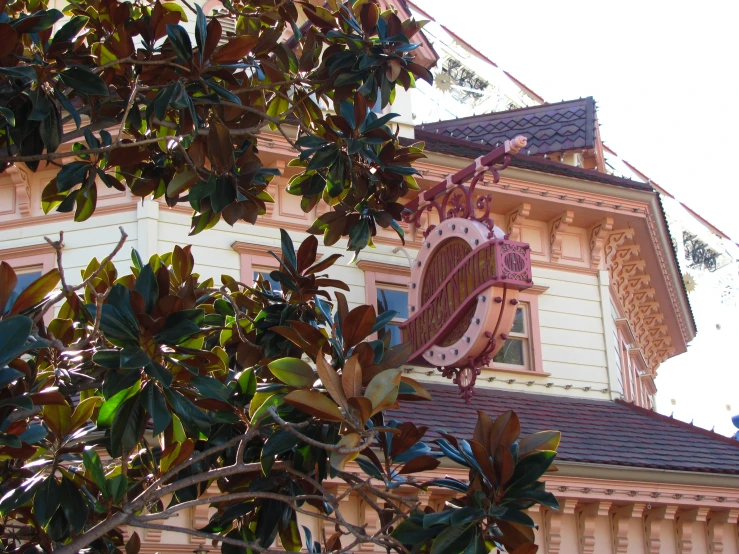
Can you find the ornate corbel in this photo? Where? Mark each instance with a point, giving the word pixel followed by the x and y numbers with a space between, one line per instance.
pixel 587 517
pixel 685 525
pixel 615 240
pixel 514 219
pixel 152 535
pixel 552 523
pixel 598 237
pixel 19 176
pixel 653 527
pixel 620 519
pixel 557 227
pixel 716 530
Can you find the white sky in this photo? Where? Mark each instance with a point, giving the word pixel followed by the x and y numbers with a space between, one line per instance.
pixel 665 77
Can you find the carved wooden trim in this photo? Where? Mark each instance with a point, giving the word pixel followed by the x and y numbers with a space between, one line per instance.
pixel 380 267
pixel 514 220
pixel 616 239
pixel 652 525
pixel 620 519
pixel 552 524
pixel 685 527
pixel 557 227
pixel 587 517
pixel 598 236
pixel 716 528
pixel 19 177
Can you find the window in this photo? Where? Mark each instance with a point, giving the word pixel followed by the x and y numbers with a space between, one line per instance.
pixel 516 351
pixel 395 299
pixel 25 276
pixel 274 285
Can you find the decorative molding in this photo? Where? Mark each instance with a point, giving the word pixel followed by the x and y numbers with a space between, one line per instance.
pixel 383 267
pixel 26 251
pixel 652 525
pixel 685 527
pixel 598 236
pixel 152 535
pixel 616 239
pixel 254 249
pixel 557 227
pixel 514 219
pixel 716 528
pixel 537 289
pixel 19 176
pixel 620 518
pixel 587 517
pixel 552 523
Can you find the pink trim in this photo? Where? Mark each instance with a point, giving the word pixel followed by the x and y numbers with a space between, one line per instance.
pixel 254 255
pixel 31 256
pixel 377 272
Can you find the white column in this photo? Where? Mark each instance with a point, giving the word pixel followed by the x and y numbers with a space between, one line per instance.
pixel 147 215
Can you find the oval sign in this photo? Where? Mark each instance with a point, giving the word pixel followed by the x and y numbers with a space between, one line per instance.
pixel 463 294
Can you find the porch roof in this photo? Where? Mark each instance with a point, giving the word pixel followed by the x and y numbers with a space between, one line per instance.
pixel 593 431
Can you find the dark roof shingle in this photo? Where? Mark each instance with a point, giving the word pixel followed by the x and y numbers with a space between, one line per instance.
pixel 548 127
pixel 593 431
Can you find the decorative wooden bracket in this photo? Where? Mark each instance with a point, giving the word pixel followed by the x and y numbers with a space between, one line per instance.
pixel 19 176
pixel 587 517
pixel 552 523
pixel 598 236
pixel 685 525
pixel 653 527
pixel 514 219
pixel 716 527
pixel 616 239
pixel 557 227
pixel 620 518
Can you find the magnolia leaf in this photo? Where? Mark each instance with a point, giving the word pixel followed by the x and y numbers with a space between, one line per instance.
pixel 331 380
pixel 382 391
pixel 339 460
pixel 351 377
pixel 543 440
pixel 36 292
pixel 293 372
pixel 315 404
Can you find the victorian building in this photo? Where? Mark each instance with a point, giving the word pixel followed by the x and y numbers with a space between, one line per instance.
pixel 607 306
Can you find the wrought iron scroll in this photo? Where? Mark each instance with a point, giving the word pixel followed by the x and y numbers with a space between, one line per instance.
pixel 453 198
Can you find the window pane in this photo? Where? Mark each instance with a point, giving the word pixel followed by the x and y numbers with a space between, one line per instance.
pixel 518 326
pixel 396 336
pixel 388 299
pixel 276 287
pixel 511 353
pixel 24 279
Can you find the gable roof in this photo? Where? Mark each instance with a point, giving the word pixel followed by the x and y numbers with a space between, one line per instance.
pixel 548 128
pixel 593 431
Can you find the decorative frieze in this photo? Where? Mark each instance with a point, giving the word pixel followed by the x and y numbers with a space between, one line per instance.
pixel 629 281
pixel 19 176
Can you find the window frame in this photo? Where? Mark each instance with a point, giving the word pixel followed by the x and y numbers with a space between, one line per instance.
pixel 31 258
pixel 532 349
pixel 524 337
pixel 377 274
pixel 396 321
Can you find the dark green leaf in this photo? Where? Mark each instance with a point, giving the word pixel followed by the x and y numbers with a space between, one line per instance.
pixel 453 540
pixel 156 405
pixel 74 505
pixel 159 372
pixel 92 464
pixel 14 333
pixel 46 500
pixel 70 29
pixel 180 41
pixel 147 286
pixel 84 81
pixel 128 426
pixel 201 31
pixel 288 250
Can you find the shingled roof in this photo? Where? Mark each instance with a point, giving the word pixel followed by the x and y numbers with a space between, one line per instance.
pixel 548 128
pixel 593 431
pixel 468 149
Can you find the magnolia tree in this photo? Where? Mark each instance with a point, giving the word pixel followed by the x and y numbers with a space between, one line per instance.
pixel 126 399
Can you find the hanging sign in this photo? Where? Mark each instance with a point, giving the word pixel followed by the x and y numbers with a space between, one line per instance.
pixel 463 293
pixel 467 276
